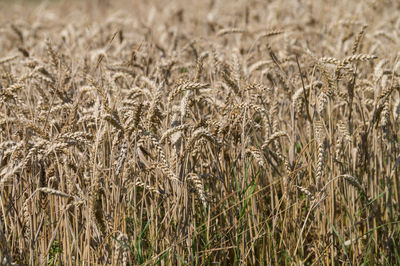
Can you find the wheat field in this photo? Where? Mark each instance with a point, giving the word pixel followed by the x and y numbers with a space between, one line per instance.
pixel 200 132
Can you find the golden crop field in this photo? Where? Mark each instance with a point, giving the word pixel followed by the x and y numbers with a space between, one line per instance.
pixel 208 132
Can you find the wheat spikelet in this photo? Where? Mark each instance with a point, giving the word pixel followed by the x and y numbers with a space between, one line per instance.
pixel 52 53
pixel 358 57
pixel 96 208
pixel 121 158
pixel 307 192
pixel 120 250
pixel 12 89
pixel 199 66
pixel 51 191
pixel 329 60
pixel 26 216
pixel 199 133
pixel 327 76
pixel 353 181
pixel 342 138
pixel 171 131
pixel 103 96
pixel 368 102
pixel 77 136
pixel 8 176
pixel 257 155
pixel 56 148
pixel 86 89
pixel 119 75
pixel 199 187
pixel 8 59
pixel 152 189
pixel 378 70
pixel 257 87
pixel 167 171
pixel 49 78
pixel 274 137
pixel 128 103
pixel 226 31
pixel 270 33
pixel 385 114
pixel 184 104
pixel 133 121
pixel 298 100
pixel 319 128
pixel 43 183
pixel 342 128
pixel 273 113
pixel 323 98
pixel 229 81
pixel 37 149
pixel 136 92
pixel 347 22
pixel 237 68
pixel 153 110
pixel 396 109
pixel 339 146
pixel 252 106
pixel 358 40
pixel 61 107
pixel 7 145
pixel 259 64
pixel 156 144
pixel 150 83
pixel 113 121
pixel 31 125
pixel 384 34
pixel 384 95
pixel 184 86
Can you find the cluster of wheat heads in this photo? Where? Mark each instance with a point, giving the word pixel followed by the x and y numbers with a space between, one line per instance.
pixel 246 132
